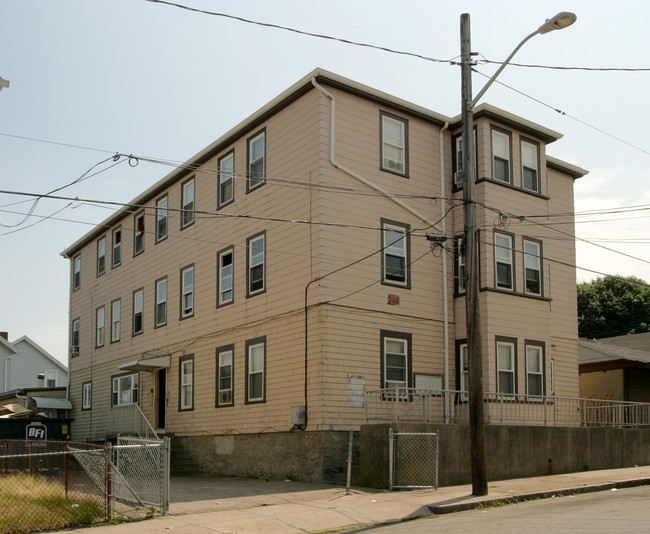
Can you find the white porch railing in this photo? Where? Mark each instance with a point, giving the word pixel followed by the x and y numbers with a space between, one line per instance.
pixel 129 419
pixel 401 404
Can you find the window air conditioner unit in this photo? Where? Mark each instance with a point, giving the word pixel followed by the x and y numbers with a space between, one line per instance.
pixel 225 397
pixel 394 165
pixel 74 350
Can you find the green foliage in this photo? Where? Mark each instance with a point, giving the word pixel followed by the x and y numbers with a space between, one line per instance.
pixel 613 306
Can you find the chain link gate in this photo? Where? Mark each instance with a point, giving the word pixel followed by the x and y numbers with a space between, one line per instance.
pixel 413 460
pixel 140 473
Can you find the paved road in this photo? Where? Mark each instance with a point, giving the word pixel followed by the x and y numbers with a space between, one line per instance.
pixel 624 510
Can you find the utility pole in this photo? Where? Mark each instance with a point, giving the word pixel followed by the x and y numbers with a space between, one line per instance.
pixel 478 453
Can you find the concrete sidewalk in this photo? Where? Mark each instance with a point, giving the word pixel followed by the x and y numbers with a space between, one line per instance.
pixel 207 504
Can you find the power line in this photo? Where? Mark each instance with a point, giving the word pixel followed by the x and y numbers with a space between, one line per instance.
pixel 557 67
pixel 300 32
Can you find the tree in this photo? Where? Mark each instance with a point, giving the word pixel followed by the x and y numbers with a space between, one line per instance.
pixel 613 306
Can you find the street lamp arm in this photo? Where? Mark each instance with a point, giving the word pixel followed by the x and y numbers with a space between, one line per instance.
pixel 503 66
pixel 558 22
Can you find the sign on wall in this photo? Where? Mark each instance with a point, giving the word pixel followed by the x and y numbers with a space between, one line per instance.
pixel 36 432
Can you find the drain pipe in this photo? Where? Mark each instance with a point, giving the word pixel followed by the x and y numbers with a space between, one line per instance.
pixel 356 176
pixel 445 303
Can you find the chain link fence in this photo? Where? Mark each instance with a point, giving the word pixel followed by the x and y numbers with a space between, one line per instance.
pixel 55 484
pixel 413 458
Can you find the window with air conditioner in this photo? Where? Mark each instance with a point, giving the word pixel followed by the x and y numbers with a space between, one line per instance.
pixel 394 144
pixel 225 376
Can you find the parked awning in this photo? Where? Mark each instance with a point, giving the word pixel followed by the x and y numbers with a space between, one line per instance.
pixel 53 404
pixel 147 364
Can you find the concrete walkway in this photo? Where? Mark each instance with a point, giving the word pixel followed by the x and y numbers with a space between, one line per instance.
pixel 217 505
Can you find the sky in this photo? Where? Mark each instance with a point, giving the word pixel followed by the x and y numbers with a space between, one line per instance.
pixel 92 78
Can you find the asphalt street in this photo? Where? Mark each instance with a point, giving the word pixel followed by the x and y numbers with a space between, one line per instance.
pixel 622 510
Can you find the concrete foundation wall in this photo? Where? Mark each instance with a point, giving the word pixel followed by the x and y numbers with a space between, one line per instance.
pixel 306 456
pixel 512 451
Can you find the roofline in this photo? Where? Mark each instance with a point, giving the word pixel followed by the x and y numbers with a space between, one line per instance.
pixel 9 345
pixel 566 168
pixel 41 350
pixel 280 102
pixel 511 120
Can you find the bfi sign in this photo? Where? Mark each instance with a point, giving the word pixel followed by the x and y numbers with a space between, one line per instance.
pixel 36 432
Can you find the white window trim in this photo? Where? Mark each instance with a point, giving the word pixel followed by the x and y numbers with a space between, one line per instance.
pixel 186 383
pixel 139 234
pixel 254 261
pixel 539 353
pixel 400 146
pixel 116 320
pixel 100 325
pixel 187 292
pixel 503 157
pixel 460 267
pixel 138 308
pixel 76 272
pixel 390 249
pixel 188 208
pixel 226 177
pixel 388 383
pixel 116 250
pixel 101 255
pixel 511 370
pixel 538 268
pixel 225 395
pixel 162 220
pixel 503 260
pixel 535 149
pixel 160 301
pixel 87 396
pixel 51 374
pixel 253 182
pixel 221 298
pixel 133 390
pixel 75 333
pixel 251 349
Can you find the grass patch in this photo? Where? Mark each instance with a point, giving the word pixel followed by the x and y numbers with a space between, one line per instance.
pixel 33 502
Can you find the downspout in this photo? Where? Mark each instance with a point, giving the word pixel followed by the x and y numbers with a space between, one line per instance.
pixel 356 176
pixel 445 303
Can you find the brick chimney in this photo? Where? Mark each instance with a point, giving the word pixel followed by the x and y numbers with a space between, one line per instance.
pixel 5 335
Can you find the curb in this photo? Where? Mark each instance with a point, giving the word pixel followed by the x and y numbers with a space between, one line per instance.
pixel 523 497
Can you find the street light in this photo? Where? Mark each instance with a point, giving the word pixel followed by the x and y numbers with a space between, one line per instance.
pixel 478 454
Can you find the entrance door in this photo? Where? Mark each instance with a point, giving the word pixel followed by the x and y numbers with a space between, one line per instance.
pixel 161 397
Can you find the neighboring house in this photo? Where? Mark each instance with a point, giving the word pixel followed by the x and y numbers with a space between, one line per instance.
pixel 44 402
pixel 300 261
pixel 616 368
pixel 25 364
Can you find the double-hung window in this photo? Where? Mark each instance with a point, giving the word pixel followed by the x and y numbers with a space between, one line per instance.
pixel 395 359
pixel 51 376
pixel 86 395
pixel 533 267
pixel 394 144
pixel 530 166
pixel 395 258
pixel 161 218
pixel 225 266
pixel 255 370
pixel 226 179
pixel 101 255
pixel 187 203
pixel 138 312
pixel 255 268
pixel 76 272
pixel 458 159
pixel 99 327
pixel 256 157
pixel 138 233
pixel 186 382
pixel 503 260
pixel 161 303
pixel 459 264
pixel 462 373
pixel 224 376
pixel 187 291
pixel 534 370
pixel 117 247
pixel 501 156
pixel 506 367
pixel 116 320
pixel 74 337
pixel 125 389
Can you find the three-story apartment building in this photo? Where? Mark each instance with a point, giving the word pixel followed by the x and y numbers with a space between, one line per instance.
pixel 247 300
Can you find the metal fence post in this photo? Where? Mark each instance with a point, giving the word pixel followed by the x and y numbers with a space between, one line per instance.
pixel 109 481
pixel 390 458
